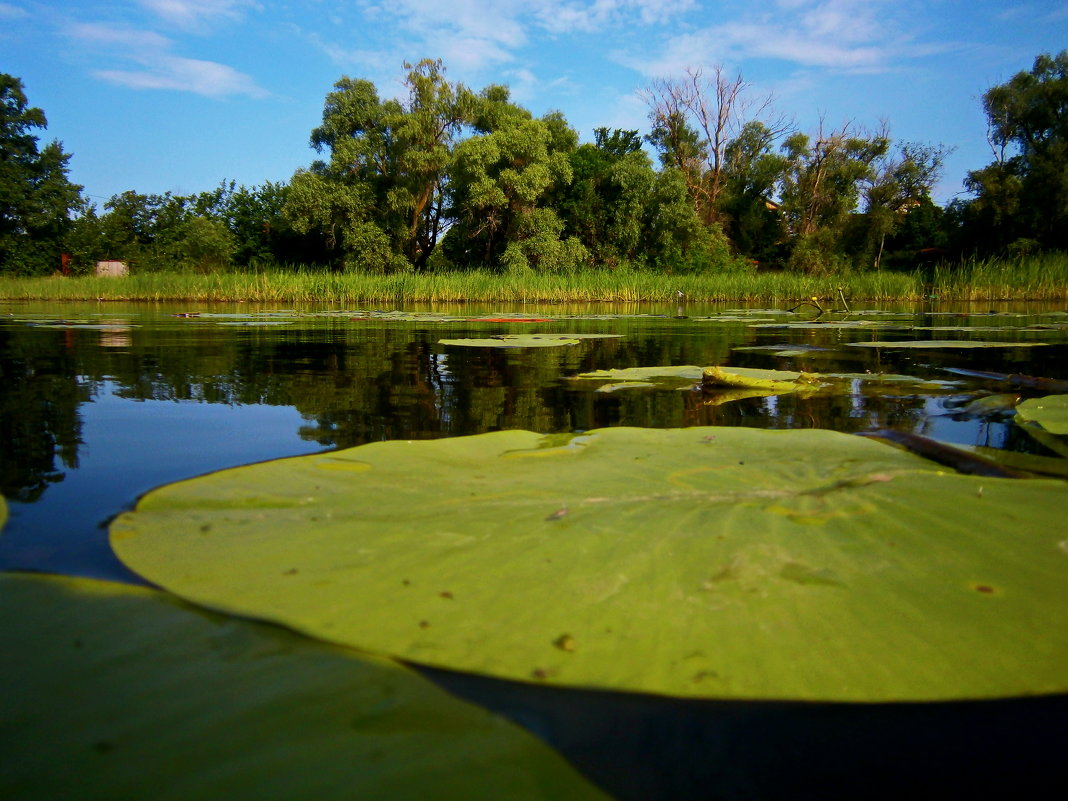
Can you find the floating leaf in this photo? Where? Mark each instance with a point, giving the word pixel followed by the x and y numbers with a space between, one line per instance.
pixel 509 319
pixel 936 344
pixel 3 512
pixel 687 563
pixel 669 376
pixel 1050 412
pixel 834 324
pixel 1001 404
pixel 524 340
pixel 120 692
pixel 785 350
pixel 747 378
pixel 626 385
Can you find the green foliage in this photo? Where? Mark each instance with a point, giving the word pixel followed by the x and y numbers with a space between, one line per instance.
pixel 378 200
pixel 1023 194
pixel 754 223
pixel 499 181
pixel 821 187
pixel 206 245
pixel 36 197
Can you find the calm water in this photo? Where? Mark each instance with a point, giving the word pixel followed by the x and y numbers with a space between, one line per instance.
pixel 101 402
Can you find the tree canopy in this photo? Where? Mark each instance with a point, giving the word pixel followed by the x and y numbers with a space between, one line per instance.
pixel 36 197
pixel 1022 196
pixel 443 176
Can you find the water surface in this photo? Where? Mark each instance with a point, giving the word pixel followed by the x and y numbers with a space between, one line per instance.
pixel 101 402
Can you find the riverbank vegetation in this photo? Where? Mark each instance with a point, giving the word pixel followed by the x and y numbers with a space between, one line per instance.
pixel 454 193
pixel 1032 278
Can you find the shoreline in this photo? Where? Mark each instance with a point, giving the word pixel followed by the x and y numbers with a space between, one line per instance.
pixel 1037 280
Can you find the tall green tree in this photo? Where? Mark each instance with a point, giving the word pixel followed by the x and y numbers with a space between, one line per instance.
pixel 36 197
pixel 500 182
pixel 378 199
pixel 821 187
pixel 898 184
pixel 1023 195
pixel 754 222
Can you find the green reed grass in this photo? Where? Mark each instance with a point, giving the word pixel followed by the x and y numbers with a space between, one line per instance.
pixel 1038 278
pixel 1041 277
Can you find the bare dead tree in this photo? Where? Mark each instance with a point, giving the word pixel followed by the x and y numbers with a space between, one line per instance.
pixel 696 117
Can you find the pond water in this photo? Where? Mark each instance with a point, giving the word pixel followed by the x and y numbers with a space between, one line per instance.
pixel 101 402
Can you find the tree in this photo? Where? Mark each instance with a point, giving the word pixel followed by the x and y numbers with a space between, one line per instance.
pixel 604 204
pixel 754 222
pixel 498 181
pixel 821 187
pixel 896 185
pixel 694 120
pixel 36 197
pixel 1023 194
pixel 378 199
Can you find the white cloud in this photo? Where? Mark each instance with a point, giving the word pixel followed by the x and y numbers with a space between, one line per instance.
pixel 101 34
pixel 559 16
pixel 193 14
pixel 8 11
pixel 157 67
pixel 207 78
pixel 477 33
pixel 849 35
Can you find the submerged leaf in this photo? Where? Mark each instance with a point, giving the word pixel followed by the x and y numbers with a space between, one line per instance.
pixel 719 562
pixel 120 692
pixel 1029 462
pixel 1055 443
pixel 1051 413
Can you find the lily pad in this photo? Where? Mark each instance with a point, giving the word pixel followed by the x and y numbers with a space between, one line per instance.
pixel 934 344
pixel 1050 412
pixel 669 375
pixel 719 562
pixel 524 340
pixel 784 349
pixel 749 378
pixel 121 692
pixel 622 385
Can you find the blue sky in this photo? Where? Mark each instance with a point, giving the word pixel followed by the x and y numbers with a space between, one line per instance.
pixel 178 95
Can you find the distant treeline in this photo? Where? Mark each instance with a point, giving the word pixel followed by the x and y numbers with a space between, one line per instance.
pixel 449 179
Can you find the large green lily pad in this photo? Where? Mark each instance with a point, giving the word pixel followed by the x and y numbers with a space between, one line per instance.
pixel 718 562
pixel 1050 412
pixel 118 692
